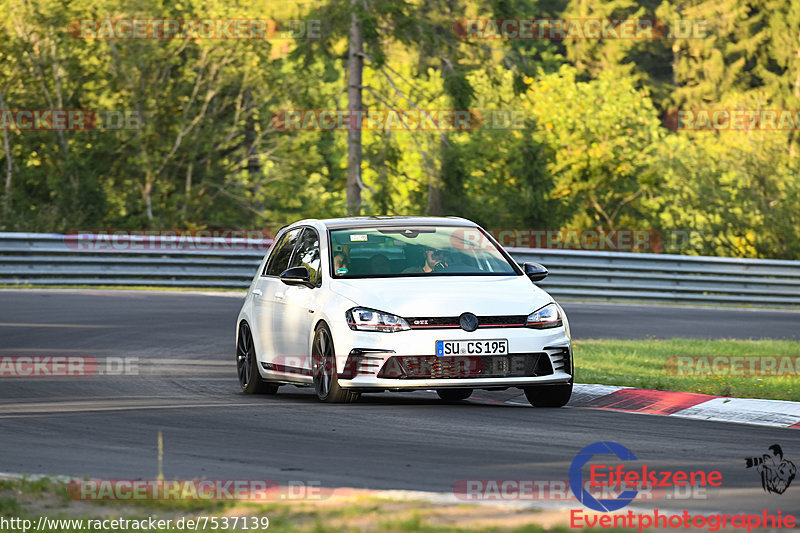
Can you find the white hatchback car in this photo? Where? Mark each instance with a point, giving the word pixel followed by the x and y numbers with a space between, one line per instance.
pixel 373 304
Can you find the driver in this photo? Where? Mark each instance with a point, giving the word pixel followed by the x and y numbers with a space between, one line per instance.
pixel 433 258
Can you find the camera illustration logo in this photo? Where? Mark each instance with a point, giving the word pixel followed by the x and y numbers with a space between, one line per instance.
pixel 577 485
pixel 776 472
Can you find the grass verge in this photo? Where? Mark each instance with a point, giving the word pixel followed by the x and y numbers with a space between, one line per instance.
pixel 354 513
pixel 644 364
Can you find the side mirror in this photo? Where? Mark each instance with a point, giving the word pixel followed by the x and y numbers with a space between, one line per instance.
pixel 535 271
pixel 297 276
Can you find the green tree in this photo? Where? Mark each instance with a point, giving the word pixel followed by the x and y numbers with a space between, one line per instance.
pixel 604 134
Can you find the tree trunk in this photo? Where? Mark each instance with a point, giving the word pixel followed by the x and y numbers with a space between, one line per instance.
pixel 435 191
pixel 355 67
pixel 792 136
pixel 9 167
pixel 147 196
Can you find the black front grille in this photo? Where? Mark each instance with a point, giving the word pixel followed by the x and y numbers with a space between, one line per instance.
pixel 463 366
pixel 450 322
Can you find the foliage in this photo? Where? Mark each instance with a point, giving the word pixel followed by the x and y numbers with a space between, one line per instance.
pixel 587 148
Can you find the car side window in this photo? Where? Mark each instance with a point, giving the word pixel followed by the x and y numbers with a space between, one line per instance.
pixel 279 261
pixel 307 254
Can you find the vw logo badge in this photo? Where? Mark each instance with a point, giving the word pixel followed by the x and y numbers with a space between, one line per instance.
pixel 468 322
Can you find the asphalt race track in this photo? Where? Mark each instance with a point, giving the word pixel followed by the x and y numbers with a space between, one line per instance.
pixel 184 385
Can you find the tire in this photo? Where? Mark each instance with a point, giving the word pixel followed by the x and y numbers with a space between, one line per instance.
pixel 326 379
pixel 549 395
pixel 454 395
pixel 247 365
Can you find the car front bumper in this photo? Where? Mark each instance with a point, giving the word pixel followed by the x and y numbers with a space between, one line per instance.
pixel 363 356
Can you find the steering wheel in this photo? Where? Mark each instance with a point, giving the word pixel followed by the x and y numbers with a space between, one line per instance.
pixel 440 267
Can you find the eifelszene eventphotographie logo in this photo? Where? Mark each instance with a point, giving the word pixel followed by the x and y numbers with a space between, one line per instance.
pixel 621 483
pixel 576 476
pixel 776 471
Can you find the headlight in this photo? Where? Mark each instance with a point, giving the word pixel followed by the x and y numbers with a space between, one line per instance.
pixel 548 316
pixel 363 319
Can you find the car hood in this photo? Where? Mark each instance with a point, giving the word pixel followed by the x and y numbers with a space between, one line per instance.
pixel 445 296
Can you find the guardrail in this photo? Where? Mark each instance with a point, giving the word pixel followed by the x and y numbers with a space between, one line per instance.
pixel 35 259
pixel 667 278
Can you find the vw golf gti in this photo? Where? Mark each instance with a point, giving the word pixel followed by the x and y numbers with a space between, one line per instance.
pixel 374 304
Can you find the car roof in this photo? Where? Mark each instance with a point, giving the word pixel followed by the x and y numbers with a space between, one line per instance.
pixel 379 221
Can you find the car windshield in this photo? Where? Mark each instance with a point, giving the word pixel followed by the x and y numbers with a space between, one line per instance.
pixel 415 251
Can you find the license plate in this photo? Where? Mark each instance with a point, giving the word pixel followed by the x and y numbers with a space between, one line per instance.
pixel 484 347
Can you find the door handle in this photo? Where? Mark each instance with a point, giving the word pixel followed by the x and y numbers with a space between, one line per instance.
pixel 257 292
pixel 280 295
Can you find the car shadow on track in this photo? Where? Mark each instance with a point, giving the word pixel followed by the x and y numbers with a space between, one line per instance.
pixel 421 398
